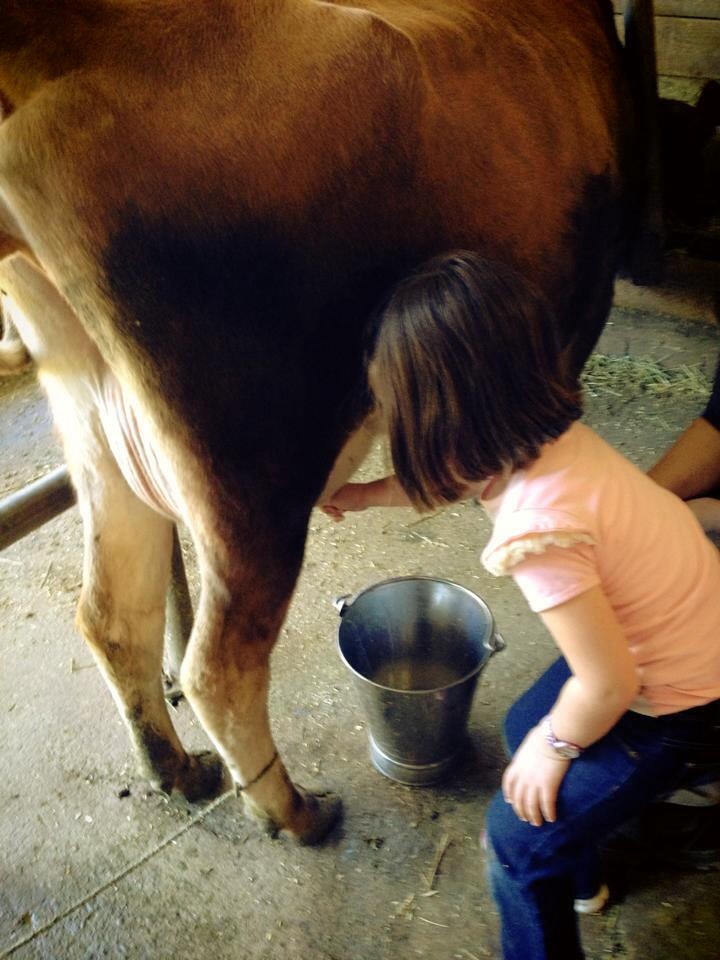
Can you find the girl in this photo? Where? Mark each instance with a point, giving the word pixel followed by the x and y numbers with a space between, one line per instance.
pixel 466 370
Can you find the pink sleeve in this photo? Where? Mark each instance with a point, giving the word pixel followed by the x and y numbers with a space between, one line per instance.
pixel 557 574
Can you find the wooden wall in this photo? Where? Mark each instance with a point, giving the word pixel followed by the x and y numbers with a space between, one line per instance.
pixel 687 37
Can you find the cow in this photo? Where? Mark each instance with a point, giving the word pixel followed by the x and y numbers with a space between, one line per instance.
pixel 201 204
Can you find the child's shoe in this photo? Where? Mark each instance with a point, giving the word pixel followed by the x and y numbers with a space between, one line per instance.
pixel 594 904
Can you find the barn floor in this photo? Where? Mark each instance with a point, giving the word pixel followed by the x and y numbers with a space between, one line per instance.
pixel 92 865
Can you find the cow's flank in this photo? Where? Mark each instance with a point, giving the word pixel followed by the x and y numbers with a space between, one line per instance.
pixel 200 205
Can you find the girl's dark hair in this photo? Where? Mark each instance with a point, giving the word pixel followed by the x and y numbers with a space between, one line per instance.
pixel 467 367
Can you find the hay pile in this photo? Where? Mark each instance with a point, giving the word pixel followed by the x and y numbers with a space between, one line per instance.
pixel 628 378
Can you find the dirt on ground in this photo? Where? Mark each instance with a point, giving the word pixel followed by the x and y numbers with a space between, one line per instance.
pixel 94 865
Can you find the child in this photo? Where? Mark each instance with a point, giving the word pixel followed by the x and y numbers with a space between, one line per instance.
pixel 466 372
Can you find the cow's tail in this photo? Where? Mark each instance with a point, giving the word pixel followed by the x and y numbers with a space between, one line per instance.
pixel 644 256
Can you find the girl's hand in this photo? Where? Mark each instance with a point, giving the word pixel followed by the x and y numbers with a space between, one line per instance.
pixel 532 780
pixel 350 497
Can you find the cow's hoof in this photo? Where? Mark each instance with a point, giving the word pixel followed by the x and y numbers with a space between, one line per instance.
pixel 321 811
pixel 203 777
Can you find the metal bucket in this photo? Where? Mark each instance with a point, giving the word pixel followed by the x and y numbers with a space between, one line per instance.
pixel 416 647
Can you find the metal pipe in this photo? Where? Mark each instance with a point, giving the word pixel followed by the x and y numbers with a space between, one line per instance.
pixel 178 622
pixel 37 503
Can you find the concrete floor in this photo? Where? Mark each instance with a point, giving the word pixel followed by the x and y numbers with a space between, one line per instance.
pixel 93 865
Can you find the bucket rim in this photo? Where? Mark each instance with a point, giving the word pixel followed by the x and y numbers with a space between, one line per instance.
pixel 447 686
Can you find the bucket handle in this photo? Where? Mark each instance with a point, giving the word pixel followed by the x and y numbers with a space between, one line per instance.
pixel 342 602
pixel 495 644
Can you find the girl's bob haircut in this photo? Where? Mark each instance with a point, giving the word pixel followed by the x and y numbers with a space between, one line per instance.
pixel 467 368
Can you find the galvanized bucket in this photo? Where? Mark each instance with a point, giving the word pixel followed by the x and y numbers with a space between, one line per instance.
pixel 416 647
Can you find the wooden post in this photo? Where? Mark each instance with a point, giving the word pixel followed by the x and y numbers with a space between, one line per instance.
pixel 646 264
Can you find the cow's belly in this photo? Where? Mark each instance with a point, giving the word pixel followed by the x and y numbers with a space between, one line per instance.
pixel 81 387
pixel 133 449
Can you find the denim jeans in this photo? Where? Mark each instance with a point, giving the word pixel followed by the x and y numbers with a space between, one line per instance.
pixel 536 872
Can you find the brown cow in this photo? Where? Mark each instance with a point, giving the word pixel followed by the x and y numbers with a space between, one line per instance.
pixel 200 203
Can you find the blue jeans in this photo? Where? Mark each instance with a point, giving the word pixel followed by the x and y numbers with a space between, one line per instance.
pixel 536 872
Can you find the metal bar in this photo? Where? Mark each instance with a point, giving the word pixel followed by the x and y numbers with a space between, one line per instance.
pixel 178 621
pixel 37 503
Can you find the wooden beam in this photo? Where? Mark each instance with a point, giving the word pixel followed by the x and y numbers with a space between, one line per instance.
pixel 703 9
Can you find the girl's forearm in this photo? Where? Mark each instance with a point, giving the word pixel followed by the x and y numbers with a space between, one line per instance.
pixel 604 679
pixel 582 716
pixel 352 497
pixel 385 492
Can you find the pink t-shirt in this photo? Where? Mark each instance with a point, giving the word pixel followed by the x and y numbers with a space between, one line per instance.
pixel 583 515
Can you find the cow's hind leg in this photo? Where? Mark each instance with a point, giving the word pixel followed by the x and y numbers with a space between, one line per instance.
pixel 225 676
pixel 127 544
pixel 122 616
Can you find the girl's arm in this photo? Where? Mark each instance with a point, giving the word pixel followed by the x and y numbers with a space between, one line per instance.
pixel 605 679
pixel 385 492
pixel 603 685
